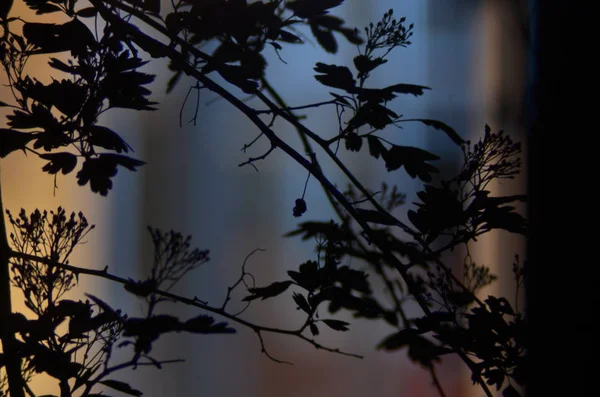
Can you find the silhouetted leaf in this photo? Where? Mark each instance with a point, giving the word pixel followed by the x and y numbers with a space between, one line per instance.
pixel 499 305
pixel 413 159
pixel 308 276
pixel 352 35
pixel 3 104
pixel 440 210
pixel 374 95
pixel 327 21
pixel 376 148
pixel 42 6
pixel 288 37
pixel 391 318
pixel 413 89
pixel 69 308
pixel 204 324
pixel 51 139
pixel 365 64
pixel 62 161
pixel 108 139
pixel 151 6
pixel 237 76
pixel 374 114
pixel 341 298
pixel 424 352
pixel 160 323
pixel 519 373
pixel 5 7
pixel 103 305
pixel 65 95
pixel 83 322
pixel 254 64
pixel 494 377
pixel 353 141
pixel 337 325
pixel 88 12
pixel 99 171
pixel 302 302
pixel 121 386
pixel 125 89
pixel 55 363
pixel 438 125
pixel 460 299
pixel 20 41
pixel 331 230
pixel 340 99
pixel 173 81
pixel 353 279
pixel 72 36
pixel 125 62
pixel 381 95
pixel 335 76
pixel 81 318
pixel 503 218
pixel 141 288
pixel 398 340
pixel 40 117
pixel 510 391
pixel 11 140
pixel 125 161
pixel 314 329
pixel 312 8
pixel 324 37
pixel 269 291
pixel 87 72
pixel 431 321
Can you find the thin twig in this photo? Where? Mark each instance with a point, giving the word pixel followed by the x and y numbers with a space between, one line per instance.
pixel 291 108
pixel 240 280
pixel 253 159
pixel 248 145
pixel 436 381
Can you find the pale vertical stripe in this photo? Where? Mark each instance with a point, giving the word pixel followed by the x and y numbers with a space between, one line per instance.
pixel 500 80
pixel 24 185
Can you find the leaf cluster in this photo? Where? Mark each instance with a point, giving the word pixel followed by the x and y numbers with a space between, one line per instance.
pixel 82 349
pixel 325 281
pixel 57 121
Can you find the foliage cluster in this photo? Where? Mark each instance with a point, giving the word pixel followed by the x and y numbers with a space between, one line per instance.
pixel 59 123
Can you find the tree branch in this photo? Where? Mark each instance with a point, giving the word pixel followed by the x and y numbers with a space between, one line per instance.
pixel 187 301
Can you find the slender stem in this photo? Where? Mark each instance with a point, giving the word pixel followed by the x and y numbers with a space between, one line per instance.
pixel 436 381
pixel 290 108
pixel 9 347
